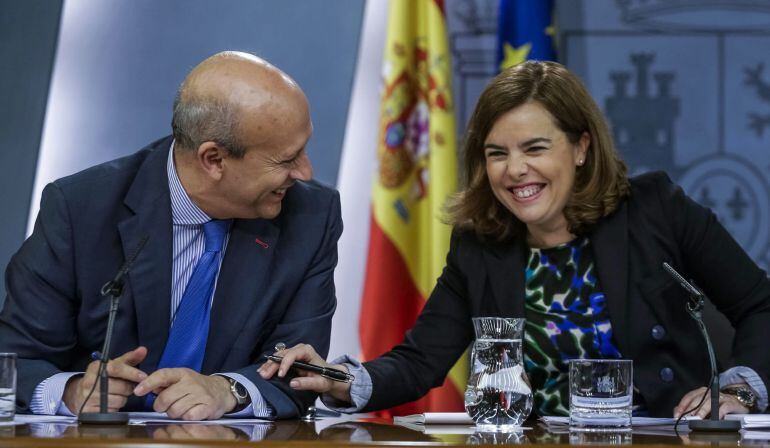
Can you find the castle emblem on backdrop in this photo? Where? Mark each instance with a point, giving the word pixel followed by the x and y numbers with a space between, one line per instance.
pixel 684 87
pixel 650 142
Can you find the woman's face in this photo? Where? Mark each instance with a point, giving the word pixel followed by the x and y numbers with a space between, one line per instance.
pixel 531 167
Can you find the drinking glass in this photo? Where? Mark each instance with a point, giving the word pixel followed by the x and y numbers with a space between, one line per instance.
pixel 600 394
pixel 595 438
pixel 7 386
pixel 498 397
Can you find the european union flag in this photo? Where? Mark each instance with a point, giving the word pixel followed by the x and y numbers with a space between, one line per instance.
pixel 525 31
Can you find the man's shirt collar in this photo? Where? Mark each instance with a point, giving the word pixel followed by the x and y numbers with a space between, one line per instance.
pixel 183 210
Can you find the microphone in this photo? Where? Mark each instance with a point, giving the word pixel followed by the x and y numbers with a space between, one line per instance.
pixel 113 289
pixel 694 309
pixel 694 292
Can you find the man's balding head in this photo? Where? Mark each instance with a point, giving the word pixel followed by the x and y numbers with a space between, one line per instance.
pixel 231 93
pixel 241 126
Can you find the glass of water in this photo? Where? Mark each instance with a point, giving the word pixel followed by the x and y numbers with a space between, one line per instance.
pixel 7 386
pixel 498 397
pixel 595 438
pixel 600 394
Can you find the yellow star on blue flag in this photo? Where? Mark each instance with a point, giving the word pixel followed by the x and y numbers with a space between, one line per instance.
pixel 525 31
pixel 513 56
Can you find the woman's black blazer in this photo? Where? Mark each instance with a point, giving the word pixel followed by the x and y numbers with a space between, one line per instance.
pixel 656 223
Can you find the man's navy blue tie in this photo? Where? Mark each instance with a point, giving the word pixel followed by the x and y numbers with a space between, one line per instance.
pixel 190 327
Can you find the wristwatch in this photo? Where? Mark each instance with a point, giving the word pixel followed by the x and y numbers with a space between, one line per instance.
pixel 240 394
pixel 744 394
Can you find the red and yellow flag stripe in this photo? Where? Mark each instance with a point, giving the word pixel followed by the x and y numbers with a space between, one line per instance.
pixel 417 173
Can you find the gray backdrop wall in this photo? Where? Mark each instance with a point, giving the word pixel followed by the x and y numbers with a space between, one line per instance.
pixel 118 65
pixel 28 33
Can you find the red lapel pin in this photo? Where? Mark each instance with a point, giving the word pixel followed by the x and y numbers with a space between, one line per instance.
pixel 262 243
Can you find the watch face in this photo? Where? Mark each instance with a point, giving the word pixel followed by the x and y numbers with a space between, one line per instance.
pixel 746 396
pixel 241 391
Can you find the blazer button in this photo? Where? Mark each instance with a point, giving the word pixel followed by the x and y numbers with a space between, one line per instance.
pixel 666 374
pixel 658 332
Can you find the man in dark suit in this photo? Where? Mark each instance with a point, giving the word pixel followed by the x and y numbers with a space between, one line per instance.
pixel 240 257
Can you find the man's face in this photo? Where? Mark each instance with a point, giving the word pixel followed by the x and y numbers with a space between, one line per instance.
pixel 254 186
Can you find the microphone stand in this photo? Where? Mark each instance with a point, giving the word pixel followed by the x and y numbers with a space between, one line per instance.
pixel 695 309
pixel 113 289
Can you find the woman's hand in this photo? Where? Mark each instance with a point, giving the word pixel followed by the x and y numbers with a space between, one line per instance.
pixel 307 380
pixel 728 404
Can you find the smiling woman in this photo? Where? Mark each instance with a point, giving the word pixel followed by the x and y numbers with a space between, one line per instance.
pixel 530 165
pixel 550 228
pixel 542 112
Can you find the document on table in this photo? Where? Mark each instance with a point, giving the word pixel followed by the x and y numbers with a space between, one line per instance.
pixel 436 418
pixel 32 418
pixel 751 421
pixel 138 418
pixel 439 423
pixel 635 421
pixel 755 426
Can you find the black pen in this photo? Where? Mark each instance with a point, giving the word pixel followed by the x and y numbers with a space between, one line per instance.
pixel 326 372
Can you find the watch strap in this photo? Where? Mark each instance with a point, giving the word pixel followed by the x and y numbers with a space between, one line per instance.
pixel 239 392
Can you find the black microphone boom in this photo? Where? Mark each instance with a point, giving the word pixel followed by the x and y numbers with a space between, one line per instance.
pixel 694 309
pixel 113 289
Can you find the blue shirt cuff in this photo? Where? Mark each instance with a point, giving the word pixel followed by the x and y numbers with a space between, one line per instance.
pixel 47 397
pixel 742 374
pixel 259 407
pixel 360 389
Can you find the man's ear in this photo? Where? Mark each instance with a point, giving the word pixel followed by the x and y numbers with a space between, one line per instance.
pixel 210 157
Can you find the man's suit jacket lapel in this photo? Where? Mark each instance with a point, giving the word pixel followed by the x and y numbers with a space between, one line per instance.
pixel 610 250
pixel 150 276
pixel 505 265
pixel 241 285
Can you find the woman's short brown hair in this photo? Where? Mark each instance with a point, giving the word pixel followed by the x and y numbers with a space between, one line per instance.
pixel 600 184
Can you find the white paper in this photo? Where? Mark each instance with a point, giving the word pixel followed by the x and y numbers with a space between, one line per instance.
pixel 31 418
pixel 635 421
pixel 137 418
pixel 755 435
pixel 436 418
pixel 140 418
pixel 751 421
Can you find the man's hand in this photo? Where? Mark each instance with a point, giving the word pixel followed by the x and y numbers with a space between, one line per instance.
pixel 123 376
pixel 307 380
pixel 186 394
pixel 728 404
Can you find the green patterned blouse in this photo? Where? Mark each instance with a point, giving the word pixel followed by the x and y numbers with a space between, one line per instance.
pixel 567 318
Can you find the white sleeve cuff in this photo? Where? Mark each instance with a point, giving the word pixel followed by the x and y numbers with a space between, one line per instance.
pixel 47 397
pixel 360 389
pixel 259 407
pixel 742 374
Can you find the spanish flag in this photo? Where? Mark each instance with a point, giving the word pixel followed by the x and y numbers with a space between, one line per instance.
pixel 417 172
